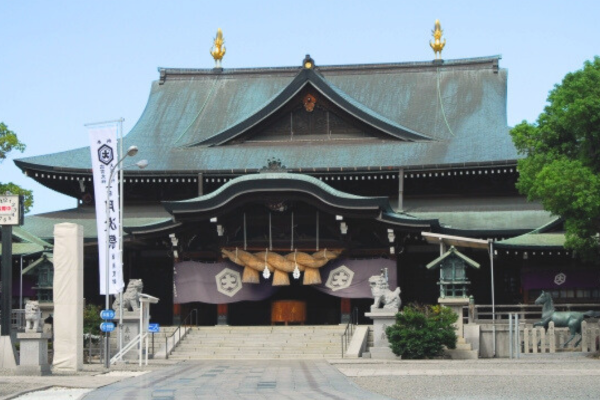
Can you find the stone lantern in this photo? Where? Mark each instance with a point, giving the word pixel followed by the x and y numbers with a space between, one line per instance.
pixel 453 282
pixel 453 278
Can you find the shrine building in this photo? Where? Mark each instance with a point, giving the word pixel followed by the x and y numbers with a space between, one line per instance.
pixel 296 184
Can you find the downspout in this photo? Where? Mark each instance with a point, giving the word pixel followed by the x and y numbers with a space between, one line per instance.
pixel 400 189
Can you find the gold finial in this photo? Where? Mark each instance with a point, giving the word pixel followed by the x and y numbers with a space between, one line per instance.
pixel 437 45
pixel 218 49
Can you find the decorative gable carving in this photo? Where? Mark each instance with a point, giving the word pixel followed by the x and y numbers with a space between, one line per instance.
pixel 301 125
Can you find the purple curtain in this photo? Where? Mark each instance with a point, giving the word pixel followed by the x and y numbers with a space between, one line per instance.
pixel 565 278
pixel 216 283
pixel 350 278
pixel 220 283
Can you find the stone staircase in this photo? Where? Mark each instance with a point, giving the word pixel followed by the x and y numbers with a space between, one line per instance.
pixel 260 342
pixel 463 351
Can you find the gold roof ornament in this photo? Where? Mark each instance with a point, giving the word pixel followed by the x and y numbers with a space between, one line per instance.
pixel 218 49
pixel 437 45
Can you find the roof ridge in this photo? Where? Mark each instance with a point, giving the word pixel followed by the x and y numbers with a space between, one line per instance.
pixel 493 60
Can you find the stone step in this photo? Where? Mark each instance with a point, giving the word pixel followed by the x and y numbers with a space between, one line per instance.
pixel 231 350
pixel 463 346
pixel 457 354
pixel 267 335
pixel 245 356
pixel 226 345
pixel 302 328
pixel 264 342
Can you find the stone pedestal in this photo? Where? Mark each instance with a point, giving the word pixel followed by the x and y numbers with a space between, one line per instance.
pixel 8 354
pixel 131 328
pixel 456 304
pixel 34 353
pixel 381 320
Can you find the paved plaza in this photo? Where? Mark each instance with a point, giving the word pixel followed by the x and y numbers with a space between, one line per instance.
pixel 542 377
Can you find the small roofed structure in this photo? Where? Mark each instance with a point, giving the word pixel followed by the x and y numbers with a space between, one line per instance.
pixel 453 277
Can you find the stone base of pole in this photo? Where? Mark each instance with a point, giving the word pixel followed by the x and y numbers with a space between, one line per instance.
pixel 8 353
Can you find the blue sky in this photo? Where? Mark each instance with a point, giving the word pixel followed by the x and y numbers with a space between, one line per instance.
pixel 67 63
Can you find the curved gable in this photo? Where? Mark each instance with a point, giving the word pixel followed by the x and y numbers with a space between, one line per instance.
pixel 310 86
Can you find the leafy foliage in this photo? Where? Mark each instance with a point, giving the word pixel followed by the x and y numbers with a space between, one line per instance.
pixel 15 189
pixel 562 164
pixel 422 331
pixel 91 319
pixel 9 142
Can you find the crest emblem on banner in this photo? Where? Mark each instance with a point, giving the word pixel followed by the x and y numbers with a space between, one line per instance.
pixel 229 282
pixel 339 278
pixel 560 278
pixel 105 154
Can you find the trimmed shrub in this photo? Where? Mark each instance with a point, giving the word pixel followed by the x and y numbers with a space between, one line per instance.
pixel 422 331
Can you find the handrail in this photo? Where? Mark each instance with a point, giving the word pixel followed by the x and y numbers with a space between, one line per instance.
pixel 349 331
pixel 178 331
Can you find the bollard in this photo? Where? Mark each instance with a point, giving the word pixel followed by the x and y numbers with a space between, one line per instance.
pixel 510 335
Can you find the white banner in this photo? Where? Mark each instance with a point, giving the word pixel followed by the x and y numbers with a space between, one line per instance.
pixel 104 160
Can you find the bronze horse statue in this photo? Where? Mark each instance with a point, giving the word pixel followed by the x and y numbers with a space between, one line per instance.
pixel 569 319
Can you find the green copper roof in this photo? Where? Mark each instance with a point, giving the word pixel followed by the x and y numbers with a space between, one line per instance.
pixel 25 249
pixel 272 182
pixel 534 240
pixel 524 220
pixel 309 77
pixel 459 104
pixel 42 225
pixel 452 252
pixel 25 243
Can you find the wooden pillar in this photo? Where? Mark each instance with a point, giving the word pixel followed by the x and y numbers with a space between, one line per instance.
pixel 176 314
pixel 221 314
pixel 346 310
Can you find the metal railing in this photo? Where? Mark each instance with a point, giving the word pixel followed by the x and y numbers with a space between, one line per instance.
pixel 192 315
pixel 93 349
pixel 483 313
pixel 349 331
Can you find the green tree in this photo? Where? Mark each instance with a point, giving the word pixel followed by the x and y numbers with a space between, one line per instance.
pixel 562 164
pixel 91 319
pixel 422 331
pixel 9 142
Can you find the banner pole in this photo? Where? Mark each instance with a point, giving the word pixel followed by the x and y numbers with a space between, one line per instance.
pixel 121 245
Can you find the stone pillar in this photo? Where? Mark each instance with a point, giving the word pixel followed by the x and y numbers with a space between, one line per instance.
pixel 456 305
pixel 34 353
pixel 68 297
pixel 131 328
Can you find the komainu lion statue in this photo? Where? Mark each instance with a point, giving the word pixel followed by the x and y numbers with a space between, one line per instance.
pixel 33 317
pixel 384 297
pixel 131 296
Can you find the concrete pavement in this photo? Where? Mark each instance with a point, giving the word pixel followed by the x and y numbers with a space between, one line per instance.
pixel 559 376
pixel 224 380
